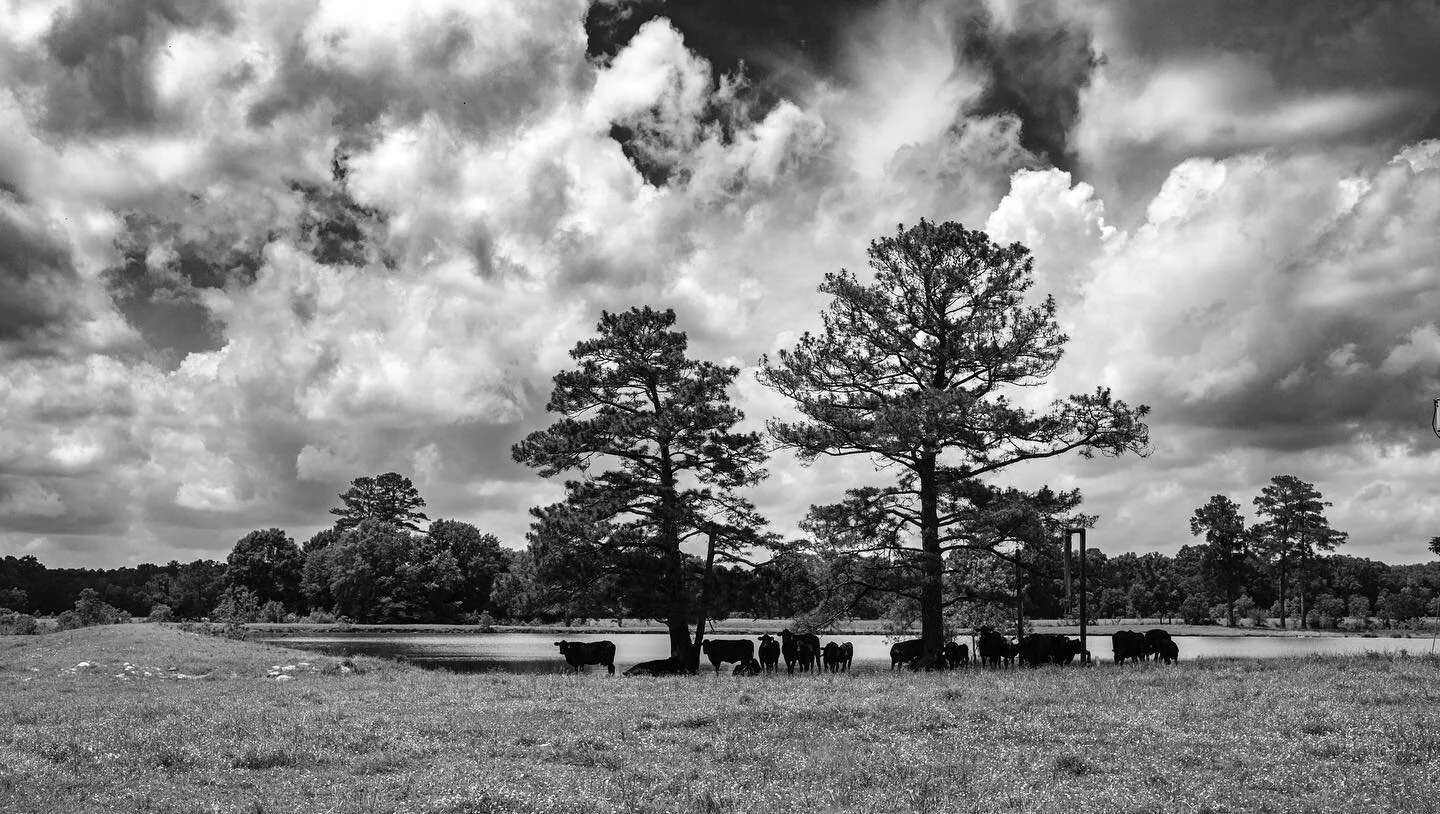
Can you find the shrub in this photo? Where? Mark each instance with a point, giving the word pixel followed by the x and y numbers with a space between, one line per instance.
pixel 91 610
pixel 68 620
pixel 17 624
pixel 1195 610
pixel 320 617
pixel 485 622
pixel 237 606
pixel 272 611
pixel 160 612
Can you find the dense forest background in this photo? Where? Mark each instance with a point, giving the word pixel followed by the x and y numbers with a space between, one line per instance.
pixel 504 585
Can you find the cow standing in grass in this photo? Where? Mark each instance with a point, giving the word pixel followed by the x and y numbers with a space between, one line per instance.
pixel 723 650
pixel 956 654
pixel 579 654
pixel 995 648
pixel 800 648
pixel 905 653
pixel 1156 641
pixel 769 653
pixel 1128 646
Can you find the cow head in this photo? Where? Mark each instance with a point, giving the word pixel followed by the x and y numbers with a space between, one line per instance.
pixel 767 638
pixel 562 644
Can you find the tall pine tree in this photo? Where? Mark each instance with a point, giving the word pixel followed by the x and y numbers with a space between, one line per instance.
pixel 913 368
pixel 651 433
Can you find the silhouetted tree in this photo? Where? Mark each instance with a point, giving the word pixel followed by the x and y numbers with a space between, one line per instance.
pixel 651 431
pixel 913 369
pixel 1294 529
pixel 388 498
pixel 1226 552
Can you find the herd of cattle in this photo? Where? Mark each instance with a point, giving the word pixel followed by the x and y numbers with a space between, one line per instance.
pixel 804 651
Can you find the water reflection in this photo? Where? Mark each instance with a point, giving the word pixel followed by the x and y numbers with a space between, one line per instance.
pixel 536 652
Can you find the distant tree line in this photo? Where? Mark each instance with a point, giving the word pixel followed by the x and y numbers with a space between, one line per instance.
pixel 505 584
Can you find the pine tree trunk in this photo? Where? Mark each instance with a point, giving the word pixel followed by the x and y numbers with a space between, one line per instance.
pixel 932 608
pixel 1282 591
pixel 702 609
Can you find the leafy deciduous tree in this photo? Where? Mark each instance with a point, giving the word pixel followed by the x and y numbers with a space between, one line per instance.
pixel 478 556
pixel 913 369
pixel 269 564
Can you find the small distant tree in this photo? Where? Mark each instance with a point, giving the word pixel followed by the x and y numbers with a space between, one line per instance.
pixel 238 605
pixel 1359 607
pixel 160 612
pixel 90 610
pixel 16 599
pixel 388 498
pixel 269 565
pixel 1435 546
pixel 1195 610
pixel 1224 559
pixel 1294 528
pixel 1329 610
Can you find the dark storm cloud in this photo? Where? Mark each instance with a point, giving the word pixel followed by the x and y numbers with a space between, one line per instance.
pixel 37 279
pixel 105 52
pixel 1034 68
pixel 782 47
pixel 1037 70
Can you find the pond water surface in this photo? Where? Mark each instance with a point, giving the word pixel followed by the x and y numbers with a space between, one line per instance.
pixel 536 652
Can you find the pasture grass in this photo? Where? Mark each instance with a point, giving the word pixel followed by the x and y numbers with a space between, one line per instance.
pixel 1357 734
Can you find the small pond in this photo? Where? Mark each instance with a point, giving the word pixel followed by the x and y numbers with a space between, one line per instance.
pixel 536 652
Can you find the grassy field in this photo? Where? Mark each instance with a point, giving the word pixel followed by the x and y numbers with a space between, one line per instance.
pixel 129 733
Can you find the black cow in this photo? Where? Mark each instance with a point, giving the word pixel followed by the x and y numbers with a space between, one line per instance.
pixel 808 653
pixel 723 650
pixel 673 666
pixel 1128 646
pixel 578 654
pixel 800 648
pixel 1167 651
pixel 906 652
pixel 769 653
pixel 956 654
pixel 1154 639
pixel 748 668
pixel 994 648
pixel 1048 648
pixel 838 656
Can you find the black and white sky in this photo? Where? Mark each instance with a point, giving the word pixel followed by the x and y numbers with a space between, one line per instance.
pixel 252 250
